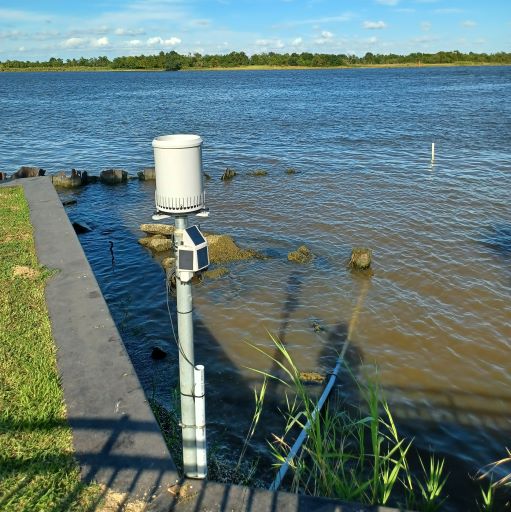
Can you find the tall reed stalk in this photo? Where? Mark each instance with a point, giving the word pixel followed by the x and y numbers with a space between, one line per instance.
pixel 351 453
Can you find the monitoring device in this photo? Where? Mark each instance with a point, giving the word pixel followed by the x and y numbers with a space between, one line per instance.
pixel 192 254
pixel 178 168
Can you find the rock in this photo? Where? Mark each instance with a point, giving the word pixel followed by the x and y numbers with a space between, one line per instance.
pixel 258 172
pixel 81 228
pixel 68 202
pixel 302 255
pixel 157 229
pixel 360 258
pixel 158 354
pixel 290 170
pixel 75 179
pixel 28 172
pixel 92 179
pixel 317 326
pixel 157 243
pixel 207 177
pixel 216 273
pixel 3 176
pixel 168 263
pixel 113 176
pixel 146 174
pixel 228 174
pixel 223 249
pixel 312 378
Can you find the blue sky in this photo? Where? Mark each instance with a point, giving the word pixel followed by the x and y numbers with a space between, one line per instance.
pixel 31 29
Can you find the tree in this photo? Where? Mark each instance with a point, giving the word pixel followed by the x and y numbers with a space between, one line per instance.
pixel 172 61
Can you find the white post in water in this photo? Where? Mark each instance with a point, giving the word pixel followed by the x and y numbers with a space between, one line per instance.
pixel 200 420
pixel 186 358
pixel 432 152
pixel 180 192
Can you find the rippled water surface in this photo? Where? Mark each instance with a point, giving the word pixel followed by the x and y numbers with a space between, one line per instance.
pixel 436 316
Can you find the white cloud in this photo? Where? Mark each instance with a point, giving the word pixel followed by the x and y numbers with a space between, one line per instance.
pixel 74 42
pixel 374 25
pixel 270 43
pixel 129 32
pixel 23 16
pixel 297 41
pixel 12 34
pixel 347 16
pixel 158 41
pixel 469 24
pixel 101 42
pixel 135 42
pixel 21 49
pixel 387 2
pixel 426 26
pixel 326 37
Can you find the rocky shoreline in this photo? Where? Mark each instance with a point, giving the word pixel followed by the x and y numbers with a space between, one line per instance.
pixel 222 248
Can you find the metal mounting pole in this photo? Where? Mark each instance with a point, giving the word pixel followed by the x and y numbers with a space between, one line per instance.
pixel 186 360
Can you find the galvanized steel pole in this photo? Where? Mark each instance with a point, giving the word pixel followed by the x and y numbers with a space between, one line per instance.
pixel 186 360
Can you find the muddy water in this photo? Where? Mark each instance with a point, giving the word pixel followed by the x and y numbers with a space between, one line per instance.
pixel 435 318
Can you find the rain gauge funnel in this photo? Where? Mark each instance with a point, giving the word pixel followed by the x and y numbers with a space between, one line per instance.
pixel 178 166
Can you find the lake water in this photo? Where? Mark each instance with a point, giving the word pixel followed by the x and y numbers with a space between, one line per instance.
pixel 436 316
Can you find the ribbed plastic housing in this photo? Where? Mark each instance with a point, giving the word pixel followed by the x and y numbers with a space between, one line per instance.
pixel 178 165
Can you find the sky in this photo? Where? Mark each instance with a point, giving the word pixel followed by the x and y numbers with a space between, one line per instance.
pixel 40 29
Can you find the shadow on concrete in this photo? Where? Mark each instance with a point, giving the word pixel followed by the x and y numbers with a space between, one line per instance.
pixel 181 495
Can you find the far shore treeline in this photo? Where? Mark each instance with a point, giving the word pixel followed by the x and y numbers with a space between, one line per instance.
pixel 173 61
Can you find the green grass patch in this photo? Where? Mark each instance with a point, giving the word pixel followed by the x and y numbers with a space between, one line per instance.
pixel 38 470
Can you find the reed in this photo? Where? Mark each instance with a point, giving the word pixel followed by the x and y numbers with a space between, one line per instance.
pixel 351 453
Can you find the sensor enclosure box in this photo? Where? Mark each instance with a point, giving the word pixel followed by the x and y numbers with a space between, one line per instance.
pixel 192 254
pixel 178 167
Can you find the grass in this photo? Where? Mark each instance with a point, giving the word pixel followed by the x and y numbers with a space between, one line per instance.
pixel 246 68
pixel 37 468
pixel 351 453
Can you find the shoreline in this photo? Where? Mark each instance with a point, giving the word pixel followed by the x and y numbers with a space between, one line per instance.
pixel 36 69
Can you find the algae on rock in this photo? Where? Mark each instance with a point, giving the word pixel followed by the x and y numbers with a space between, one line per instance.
pixel 302 255
pixel 360 258
pixel 223 249
pixel 157 243
pixel 157 229
pixel 216 273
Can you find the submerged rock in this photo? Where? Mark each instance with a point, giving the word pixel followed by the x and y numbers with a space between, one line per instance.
pixel 316 326
pixel 75 179
pixel 113 176
pixel 223 249
pixel 158 354
pixel 290 170
pixel 228 174
pixel 26 171
pixel 258 172
pixel 216 273
pixel 360 258
pixel 312 377
pixel 147 174
pixel 157 229
pixel 207 177
pixel 168 262
pixel 157 243
pixel 68 202
pixel 302 255
pixel 81 228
